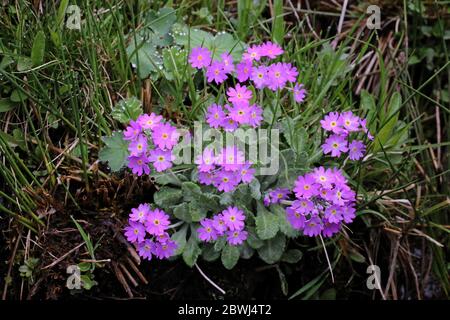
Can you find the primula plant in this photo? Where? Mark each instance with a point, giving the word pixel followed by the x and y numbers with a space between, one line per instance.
pixel 221 204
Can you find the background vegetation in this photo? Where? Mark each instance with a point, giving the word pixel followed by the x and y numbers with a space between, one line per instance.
pixel 59 88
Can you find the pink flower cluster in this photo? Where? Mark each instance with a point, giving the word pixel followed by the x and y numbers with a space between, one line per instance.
pixel 228 223
pixel 341 125
pixel 147 229
pixel 146 129
pixel 274 76
pixel 224 171
pixel 323 202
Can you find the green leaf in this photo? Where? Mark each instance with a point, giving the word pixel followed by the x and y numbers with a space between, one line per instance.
pixel 267 224
pixel 252 240
pixel 191 191
pixel 255 189
pixel 182 212
pixel 115 151
pixel 292 256
pixel 295 137
pixel 84 266
pixel 220 244
pixel 221 43
pixel 180 238
pixel 168 177
pixel 87 282
pixel 162 21
pixel 191 251
pixel 284 225
pixel 387 127
pixel 357 257
pixel 230 256
pixel 246 252
pixel 6 105
pixel 145 57
pixel 273 249
pixel 38 49
pixel 24 63
pixel 18 96
pixel 127 109
pixel 167 197
pixel 196 211
pixel 209 254
pixel 329 294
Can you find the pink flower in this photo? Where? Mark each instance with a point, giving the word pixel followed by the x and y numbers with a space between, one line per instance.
pixel 323 176
pixel 231 158
pixel 227 61
pixel 336 144
pixel 157 222
pixel 244 70
pixel 299 93
pixel 149 121
pixel 247 173
pixel 333 214
pixel 278 194
pixel 162 160
pixel 332 122
pixel 271 50
pixel 135 232
pixel 205 162
pixel 313 227
pixel 236 237
pixel 276 79
pixel 239 95
pixel 200 57
pixel 259 76
pixel 234 218
pixel 138 147
pixel 132 131
pixel 216 72
pixel 240 113
pixel 329 229
pixel 305 186
pixel 140 213
pixel 303 206
pixel 296 219
pixel 225 181
pixel 363 123
pixel 229 124
pixel 165 250
pixel 145 249
pixel 255 118
pixel 350 121
pixel 165 136
pixel 348 214
pixel 215 115
pixel 139 164
pixel 356 150
pixel 219 224
pixel 252 53
pixel 207 231
pixel 290 72
pixel 206 178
